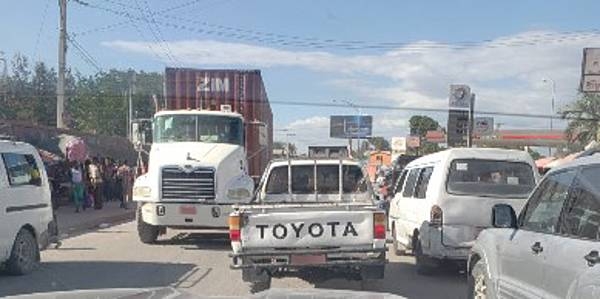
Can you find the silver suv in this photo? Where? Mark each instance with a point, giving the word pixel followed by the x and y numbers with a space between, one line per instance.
pixel 551 250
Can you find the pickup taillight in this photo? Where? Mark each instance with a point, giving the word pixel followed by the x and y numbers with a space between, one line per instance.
pixel 436 216
pixel 379 225
pixel 234 228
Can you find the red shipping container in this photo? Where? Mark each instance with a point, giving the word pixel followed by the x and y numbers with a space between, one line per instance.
pixel 243 90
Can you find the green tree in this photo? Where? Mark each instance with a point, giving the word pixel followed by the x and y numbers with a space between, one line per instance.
pixel 419 125
pixel 583 116
pixel 380 143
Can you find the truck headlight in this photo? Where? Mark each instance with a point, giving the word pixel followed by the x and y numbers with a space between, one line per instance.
pixel 142 191
pixel 238 193
pixel 240 188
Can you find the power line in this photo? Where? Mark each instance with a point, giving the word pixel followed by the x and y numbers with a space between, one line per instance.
pixel 155 31
pixel 39 34
pixel 311 42
pixel 397 108
pixel 83 54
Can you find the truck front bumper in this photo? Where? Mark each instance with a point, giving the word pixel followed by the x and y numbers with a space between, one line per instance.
pixel 328 258
pixel 186 215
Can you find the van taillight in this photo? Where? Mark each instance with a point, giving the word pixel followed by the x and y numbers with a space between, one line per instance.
pixel 436 216
pixel 234 228
pixel 379 225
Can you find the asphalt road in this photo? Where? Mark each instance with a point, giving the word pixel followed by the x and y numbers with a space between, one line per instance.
pixel 198 264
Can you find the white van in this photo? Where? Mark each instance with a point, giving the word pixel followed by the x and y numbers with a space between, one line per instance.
pixel 443 200
pixel 26 220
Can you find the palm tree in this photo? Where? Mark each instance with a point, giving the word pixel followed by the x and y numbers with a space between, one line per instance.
pixel 584 119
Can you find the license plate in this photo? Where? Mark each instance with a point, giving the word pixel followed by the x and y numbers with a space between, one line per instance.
pixel 187 210
pixel 307 259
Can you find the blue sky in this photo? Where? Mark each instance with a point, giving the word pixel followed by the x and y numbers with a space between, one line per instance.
pixel 510 47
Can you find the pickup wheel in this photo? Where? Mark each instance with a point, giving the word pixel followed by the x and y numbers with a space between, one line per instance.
pixel 148 233
pixel 478 283
pixel 425 265
pixel 25 254
pixel 261 285
pixel 399 249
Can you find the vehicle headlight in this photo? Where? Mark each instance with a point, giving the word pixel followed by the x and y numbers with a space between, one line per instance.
pixel 238 193
pixel 142 191
pixel 240 188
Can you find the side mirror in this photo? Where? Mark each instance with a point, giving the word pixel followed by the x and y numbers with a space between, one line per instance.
pixel 503 216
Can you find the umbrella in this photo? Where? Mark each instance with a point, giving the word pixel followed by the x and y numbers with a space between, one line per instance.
pixel 76 150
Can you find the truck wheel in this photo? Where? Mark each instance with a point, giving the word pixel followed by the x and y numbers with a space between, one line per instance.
pixel 260 285
pixel 148 233
pixel 425 265
pixel 479 284
pixel 25 254
pixel 399 249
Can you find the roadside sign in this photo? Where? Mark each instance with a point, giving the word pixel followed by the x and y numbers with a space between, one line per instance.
pixel 350 126
pixel 398 145
pixel 413 141
pixel 484 126
pixel 460 97
pixel 590 70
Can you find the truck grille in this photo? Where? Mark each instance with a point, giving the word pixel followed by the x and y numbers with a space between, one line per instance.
pixel 198 184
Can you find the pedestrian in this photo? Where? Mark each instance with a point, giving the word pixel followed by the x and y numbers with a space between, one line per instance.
pixel 77 186
pixel 108 172
pixel 96 183
pixel 125 176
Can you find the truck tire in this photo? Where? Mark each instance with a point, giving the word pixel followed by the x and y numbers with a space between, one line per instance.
pixel 425 265
pixel 260 285
pixel 479 283
pixel 25 254
pixel 147 233
pixel 399 249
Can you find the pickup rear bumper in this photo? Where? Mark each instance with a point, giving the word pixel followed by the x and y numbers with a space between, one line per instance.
pixel 276 259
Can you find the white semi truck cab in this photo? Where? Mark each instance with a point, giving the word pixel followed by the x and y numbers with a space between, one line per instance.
pixel 196 171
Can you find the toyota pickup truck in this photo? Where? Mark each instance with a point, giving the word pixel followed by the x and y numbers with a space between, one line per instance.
pixel 309 215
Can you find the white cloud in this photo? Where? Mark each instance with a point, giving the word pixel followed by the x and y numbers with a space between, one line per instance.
pixel 505 73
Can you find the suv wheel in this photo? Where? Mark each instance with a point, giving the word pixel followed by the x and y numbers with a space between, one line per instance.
pixel 479 282
pixel 260 285
pixel 25 254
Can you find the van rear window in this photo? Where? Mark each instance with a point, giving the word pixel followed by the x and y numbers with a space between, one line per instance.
pixel 490 178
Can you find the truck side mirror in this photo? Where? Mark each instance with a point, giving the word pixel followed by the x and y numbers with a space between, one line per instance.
pixel 503 216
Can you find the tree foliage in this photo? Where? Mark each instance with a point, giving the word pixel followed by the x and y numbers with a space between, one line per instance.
pixel 420 124
pixel 95 103
pixel 584 119
pixel 380 143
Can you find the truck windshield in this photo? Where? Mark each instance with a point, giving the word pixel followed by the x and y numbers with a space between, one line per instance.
pixel 198 128
pixel 490 178
pixel 328 181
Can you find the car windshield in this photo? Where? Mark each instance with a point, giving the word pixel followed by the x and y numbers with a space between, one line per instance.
pixel 198 128
pixel 490 178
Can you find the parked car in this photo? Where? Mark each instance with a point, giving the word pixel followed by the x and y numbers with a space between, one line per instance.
pixel 27 223
pixel 551 250
pixel 443 200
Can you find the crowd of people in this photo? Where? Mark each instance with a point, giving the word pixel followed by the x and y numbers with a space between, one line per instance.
pixel 91 183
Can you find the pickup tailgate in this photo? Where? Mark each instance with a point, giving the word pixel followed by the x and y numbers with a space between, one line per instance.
pixel 307 229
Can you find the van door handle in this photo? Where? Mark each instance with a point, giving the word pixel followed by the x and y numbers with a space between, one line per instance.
pixel 592 258
pixel 537 248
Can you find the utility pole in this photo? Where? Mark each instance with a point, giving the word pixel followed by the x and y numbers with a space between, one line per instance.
pixel 62 61
pixel 4 78
pixel 130 105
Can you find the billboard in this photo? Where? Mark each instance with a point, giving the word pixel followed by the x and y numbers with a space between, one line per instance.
pixel 398 145
pixel 413 141
pixel 460 97
pixel 350 126
pixel 590 70
pixel 458 128
pixel 483 126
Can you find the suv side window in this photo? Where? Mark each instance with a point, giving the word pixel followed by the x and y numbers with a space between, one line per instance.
pixel 400 181
pixel 582 212
pixel 421 189
pixel 411 181
pixel 544 207
pixel 21 169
